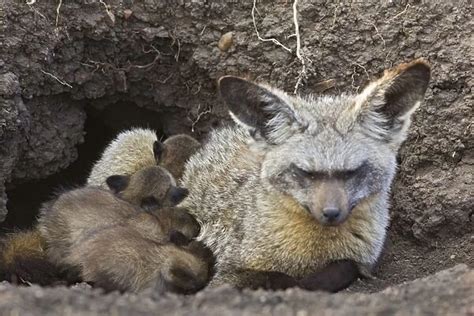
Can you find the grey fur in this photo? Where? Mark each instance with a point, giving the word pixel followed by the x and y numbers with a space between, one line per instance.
pixel 253 208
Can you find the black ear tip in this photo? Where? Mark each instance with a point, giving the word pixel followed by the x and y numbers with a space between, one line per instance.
pixel 419 68
pixel 178 194
pixel 117 183
pixel 158 149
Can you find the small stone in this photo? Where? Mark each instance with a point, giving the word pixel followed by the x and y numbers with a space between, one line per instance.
pixel 225 42
pixel 127 13
pixel 452 257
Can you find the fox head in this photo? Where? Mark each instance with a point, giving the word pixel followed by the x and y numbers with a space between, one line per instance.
pixel 150 188
pixel 329 153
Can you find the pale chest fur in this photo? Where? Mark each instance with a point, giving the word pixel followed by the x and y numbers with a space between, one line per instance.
pixel 285 238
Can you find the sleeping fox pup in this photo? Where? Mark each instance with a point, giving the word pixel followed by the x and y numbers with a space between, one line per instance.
pixel 151 188
pixel 118 246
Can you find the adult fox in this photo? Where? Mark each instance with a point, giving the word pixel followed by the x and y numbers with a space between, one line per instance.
pixel 301 182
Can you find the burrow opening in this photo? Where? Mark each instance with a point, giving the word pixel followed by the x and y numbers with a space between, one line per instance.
pixel 101 126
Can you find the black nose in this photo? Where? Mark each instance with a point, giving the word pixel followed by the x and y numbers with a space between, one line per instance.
pixel 331 214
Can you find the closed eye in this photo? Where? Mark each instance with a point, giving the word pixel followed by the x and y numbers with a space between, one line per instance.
pixel 306 173
pixel 351 173
pixel 338 174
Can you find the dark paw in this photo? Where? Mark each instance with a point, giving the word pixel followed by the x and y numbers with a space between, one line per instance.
pixel 179 239
pixel 267 280
pixel 334 277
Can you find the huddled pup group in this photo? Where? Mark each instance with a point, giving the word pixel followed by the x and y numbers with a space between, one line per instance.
pixel 121 231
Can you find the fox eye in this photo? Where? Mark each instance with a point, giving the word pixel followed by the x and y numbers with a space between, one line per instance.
pixel 306 173
pixel 347 174
pixel 352 173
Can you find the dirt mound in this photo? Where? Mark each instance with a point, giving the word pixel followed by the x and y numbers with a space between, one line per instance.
pixel 446 293
pixel 155 63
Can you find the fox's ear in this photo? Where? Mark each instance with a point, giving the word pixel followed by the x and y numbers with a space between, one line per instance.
pixel 258 108
pixel 385 105
pixel 117 183
pixel 159 150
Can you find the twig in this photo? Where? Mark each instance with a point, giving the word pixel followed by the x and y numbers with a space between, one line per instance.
pixel 30 5
pixel 378 33
pixel 203 29
pixel 302 73
pixel 110 14
pixel 166 79
pixel 176 56
pixel 353 80
pixel 64 83
pixel 403 12
pixel 335 14
pixel 198 117
pixel 58 8
pixel 365 70
pixel 273 40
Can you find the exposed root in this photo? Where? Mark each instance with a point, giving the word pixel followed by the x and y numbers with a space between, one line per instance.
pixel 30 5
pixel 273 40
pixel 399 14
pixel 198 117
pixel 378 34
pixel 176 40
pixel 166 79
pixel 64 83
pixel 58 9
pixel 365 70
pixel 356 88
pixel 302 73
pixel 334 19
pixel 107 10
pixel 126 69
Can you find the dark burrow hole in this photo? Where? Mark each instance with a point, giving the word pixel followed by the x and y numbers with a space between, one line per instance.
pixel 101 126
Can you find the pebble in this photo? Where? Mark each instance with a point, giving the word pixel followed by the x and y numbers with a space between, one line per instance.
pixel 225 42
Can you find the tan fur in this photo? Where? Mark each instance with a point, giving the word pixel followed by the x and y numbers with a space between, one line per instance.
pixel 66 220
pixel 125 258
pixel 118 246
pixel 25 244
pixel 129 152
pixel 151 181
pixel 298 232
pixel 178 150
pixel 132 151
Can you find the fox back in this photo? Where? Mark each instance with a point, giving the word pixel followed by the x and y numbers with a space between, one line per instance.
pixel 301 181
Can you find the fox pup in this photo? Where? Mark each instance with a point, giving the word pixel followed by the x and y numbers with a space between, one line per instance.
pixel 300 182
pixel 151 187
pixel 136 255
pixel 81 212
pixel 138 148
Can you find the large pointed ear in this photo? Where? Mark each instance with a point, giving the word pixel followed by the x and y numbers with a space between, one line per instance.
pixel 265 113
pixel 385 106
